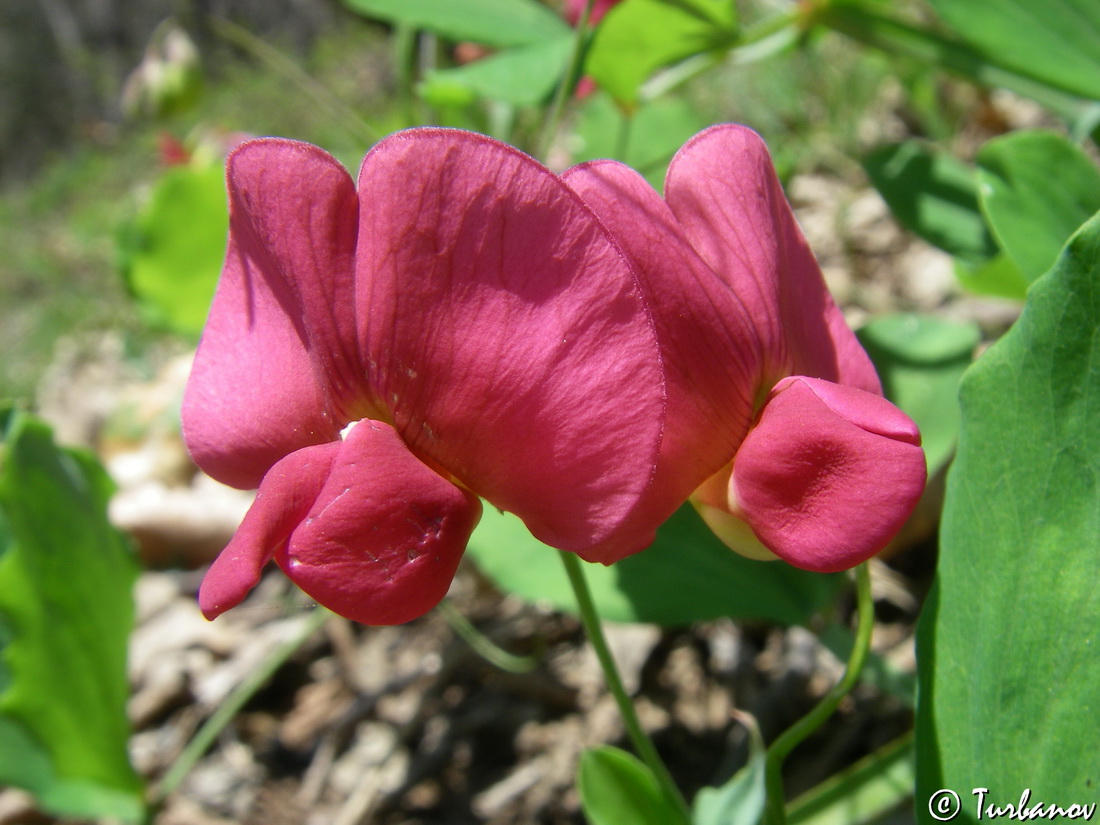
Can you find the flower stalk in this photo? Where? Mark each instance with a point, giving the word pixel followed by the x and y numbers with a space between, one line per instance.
pixel 638 737
pixel 568 81
pixel 482 645
pixel 774 809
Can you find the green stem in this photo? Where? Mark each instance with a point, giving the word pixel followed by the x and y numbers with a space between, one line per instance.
pixel 622 142
pixel 899 38
pixel 236 700
pixel 775 812
pixel 642 743
pixel 483 646
pixel 275 60
pixel 568 82
pixel 756 42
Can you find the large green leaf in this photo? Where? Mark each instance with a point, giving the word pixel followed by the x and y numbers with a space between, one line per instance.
pixel 921 359
pixel 637 37
pixel 66 608
pixel 1036 189
pixel 687 575
pixel 934 195
pixel 175 248
pixel 1053 41
pixel 525 75
pixel 617 788
pixel 492 22
pixel 1007 644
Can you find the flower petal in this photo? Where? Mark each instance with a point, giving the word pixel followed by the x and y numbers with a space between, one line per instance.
pixel 384 537
pixel 275 368
pixel 709 349
pixel 828 475
pixel 723 190
pixel 507 334
pixel 286 495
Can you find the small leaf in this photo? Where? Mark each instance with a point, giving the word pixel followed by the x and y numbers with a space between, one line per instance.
pixel 66 611
pixel 617 788
pixel 1037 189
pixel 637 37
pixel 176 246
pixel 998 276
pixel 498 23
pixel 525 75
pixel 921 359
pixel 741 800
pixel 1053 41
pixel 687 575
pixel 1007 642
pixel 933 195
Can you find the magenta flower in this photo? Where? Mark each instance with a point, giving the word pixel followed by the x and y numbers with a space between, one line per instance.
pixel 376 360
pixel 575 8
pixel 776 426
pixel 574 349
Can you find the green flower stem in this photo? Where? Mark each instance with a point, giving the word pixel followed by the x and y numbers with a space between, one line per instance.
pixel 236 700
pixel 756 42
pixel 567 84
pixel 642 743
pixel 622 142
pixel 774 809
pixel 896 37
pixel 482 645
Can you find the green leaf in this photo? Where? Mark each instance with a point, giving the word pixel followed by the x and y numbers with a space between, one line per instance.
pixel 999 276
pixel 1053 41
pixel 175 248
pixel 933 195
pixel 1007 642
pixel 654 133
pixel 526 76
pixel 1037 189
pixel 874 786
pixel 499 23
pixel 67 610
pixel 740 801
pixel 637 37
pixel 687 575
pixel 921 359
pixel 616 788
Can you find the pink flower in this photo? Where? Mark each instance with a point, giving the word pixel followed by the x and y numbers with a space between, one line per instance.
pixel 776 426
pixel 576 350
pixel 575 8
pixel 377 359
